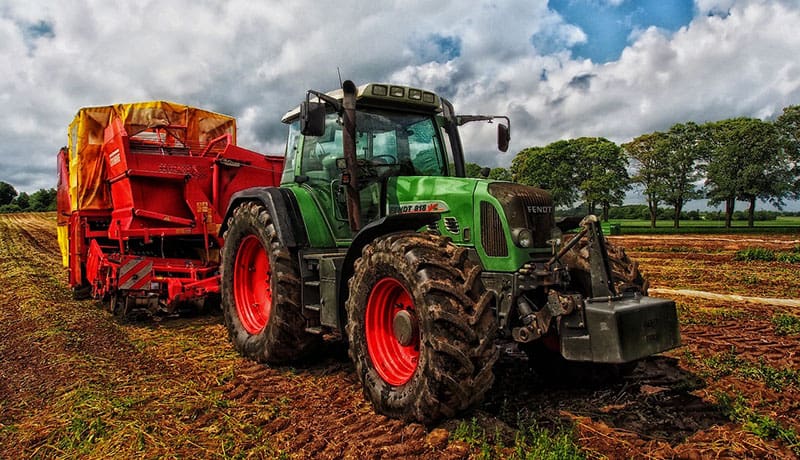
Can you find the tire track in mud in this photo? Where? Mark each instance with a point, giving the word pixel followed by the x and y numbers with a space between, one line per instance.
pixel 323 414
pixel 750 339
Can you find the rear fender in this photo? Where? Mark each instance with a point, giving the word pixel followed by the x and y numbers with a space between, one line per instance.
pixel 283 208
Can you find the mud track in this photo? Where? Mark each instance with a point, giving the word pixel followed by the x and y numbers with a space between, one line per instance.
pixel 74 382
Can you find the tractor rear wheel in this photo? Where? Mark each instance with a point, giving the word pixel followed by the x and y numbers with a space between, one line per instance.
pixel 421 327
pixel 261 290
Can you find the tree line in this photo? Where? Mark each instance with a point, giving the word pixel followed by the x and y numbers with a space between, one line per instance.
pixel 40 200
pixel 738 159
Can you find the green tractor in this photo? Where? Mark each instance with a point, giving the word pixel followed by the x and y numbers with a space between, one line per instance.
pixel 376 237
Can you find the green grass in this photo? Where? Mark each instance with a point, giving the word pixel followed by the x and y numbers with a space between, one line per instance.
pixel 638 226
pixel 729 363
pixel 763 426
pixel 531 442
pixel 786 324
pixel 768 255
pixel 708 316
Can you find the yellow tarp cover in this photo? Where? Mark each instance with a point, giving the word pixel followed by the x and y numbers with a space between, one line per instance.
pixel 88 184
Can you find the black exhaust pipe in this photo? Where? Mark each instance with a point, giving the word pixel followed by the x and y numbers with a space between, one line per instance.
pixel 349 147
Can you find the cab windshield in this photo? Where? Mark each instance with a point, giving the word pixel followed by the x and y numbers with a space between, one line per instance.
pixel 407 144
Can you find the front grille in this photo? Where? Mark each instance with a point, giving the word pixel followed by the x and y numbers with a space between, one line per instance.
pixel 493 238
pixel 526 207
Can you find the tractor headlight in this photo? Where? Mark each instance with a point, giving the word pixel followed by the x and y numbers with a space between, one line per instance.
pixel 523 237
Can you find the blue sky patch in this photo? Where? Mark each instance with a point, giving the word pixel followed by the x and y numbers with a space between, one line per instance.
pixel 608 27
pixel 438 48
pixel 39 29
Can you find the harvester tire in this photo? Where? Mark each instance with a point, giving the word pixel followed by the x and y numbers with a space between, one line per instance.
pixel 421 327
pixel 261 290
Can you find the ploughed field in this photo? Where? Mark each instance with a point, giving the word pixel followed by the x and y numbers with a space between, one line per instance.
pixel 75 382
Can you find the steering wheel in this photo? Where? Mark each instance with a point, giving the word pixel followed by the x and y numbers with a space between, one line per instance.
pixel 379 160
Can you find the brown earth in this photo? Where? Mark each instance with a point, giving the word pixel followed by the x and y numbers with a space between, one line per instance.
pixel 75 382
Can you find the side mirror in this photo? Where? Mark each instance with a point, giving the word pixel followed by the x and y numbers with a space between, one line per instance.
pixel 503 136
pixel 485 172
pixel 312 118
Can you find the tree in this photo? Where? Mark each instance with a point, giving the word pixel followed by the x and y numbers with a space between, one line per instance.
pixel 43 200
pixel 590 169
pixel 602 172
pixel 23 200
pixel 747 161
pixel 649 168
pixel 551 168
pixel 722 173
pixel 500 174
pixel 788 124
pixel 473 170
pixel 7 193
pixel 682 149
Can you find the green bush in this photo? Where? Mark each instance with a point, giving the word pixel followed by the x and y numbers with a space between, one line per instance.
pixel 750 254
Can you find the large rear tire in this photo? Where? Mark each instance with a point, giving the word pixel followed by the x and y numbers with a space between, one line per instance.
pixel 261 290
pixel 421 327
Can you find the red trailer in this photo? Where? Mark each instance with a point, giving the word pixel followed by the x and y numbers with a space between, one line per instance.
pixel 142 192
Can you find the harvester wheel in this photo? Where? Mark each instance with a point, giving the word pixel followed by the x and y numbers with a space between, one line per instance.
pixel 261 290
pixel 421 327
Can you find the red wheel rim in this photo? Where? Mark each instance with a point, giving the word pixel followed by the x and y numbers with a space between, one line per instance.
pixel 251 287
pixel 394 361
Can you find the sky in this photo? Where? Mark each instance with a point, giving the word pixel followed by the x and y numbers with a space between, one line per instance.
pixel 560 69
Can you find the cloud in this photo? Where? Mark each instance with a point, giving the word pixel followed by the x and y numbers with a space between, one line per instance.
pixel 255 60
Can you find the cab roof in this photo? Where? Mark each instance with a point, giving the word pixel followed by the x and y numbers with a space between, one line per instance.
pixel 383 94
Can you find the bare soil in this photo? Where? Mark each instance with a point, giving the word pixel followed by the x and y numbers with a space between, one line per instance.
pixel 75 382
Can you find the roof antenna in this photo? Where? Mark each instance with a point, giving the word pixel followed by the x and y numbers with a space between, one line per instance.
pixel 340 76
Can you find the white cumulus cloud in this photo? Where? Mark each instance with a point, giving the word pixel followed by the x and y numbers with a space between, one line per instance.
pixel 254 60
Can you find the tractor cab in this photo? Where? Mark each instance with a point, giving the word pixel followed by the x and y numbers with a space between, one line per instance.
pixel 397 131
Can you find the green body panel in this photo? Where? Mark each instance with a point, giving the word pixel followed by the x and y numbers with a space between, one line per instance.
pixel 461 197
pixel 417 193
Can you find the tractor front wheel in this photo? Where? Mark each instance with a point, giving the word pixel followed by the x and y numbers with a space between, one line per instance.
pixel 261 290
pixel 421 327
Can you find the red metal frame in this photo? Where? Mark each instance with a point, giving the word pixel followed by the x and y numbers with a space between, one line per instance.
pixel 166 195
